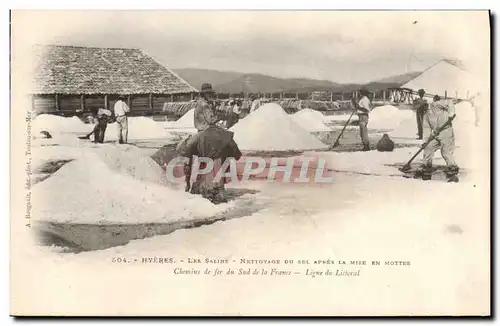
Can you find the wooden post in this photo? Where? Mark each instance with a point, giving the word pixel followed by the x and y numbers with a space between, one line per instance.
pixel 296 96
pixel 171 97
pixel 82 103
pixel 331 96
pixel 106 104
pixel 312 96
pixel 57 102
pixel 192 96
pixel 384 95
pixel 342 96
pixel 281 95
pixel 445 94
pixel 128 100
pixel 151 101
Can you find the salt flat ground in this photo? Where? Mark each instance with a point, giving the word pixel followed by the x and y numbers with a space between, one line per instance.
pixel 441 229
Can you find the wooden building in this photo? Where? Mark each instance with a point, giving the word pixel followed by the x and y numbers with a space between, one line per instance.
pixel 70 80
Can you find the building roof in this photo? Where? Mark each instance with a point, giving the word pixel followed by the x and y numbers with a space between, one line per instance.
pixel 447 77
pixel 90 70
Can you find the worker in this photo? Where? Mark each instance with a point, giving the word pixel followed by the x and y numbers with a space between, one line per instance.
pixel 234 113
pixel 217 144
pixel 121 109
pixel 256 102
pixel 363 108
pixel 437 116
pixel 420 106
pixel 101 117
pixel 205 111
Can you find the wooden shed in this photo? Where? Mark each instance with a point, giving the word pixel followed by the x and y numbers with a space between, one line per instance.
pixel 72 79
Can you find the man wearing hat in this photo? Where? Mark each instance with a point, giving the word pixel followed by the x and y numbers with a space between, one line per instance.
pixel 204 112
pixel 420 106
pixel 363 108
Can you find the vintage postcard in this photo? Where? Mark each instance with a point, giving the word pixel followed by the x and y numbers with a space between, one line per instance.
pixel 250 163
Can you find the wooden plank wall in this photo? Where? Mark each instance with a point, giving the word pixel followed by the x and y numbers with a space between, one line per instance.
pixel 94 102
pixel 44 104
pixel 69 102
pixel 139 103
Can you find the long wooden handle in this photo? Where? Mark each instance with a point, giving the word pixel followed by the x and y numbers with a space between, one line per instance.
pixel 342 131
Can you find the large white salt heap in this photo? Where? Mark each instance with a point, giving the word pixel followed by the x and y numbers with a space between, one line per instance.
pixel 186 121
pixel 270 128
pixel 310 120
pixel 387 117
pixel 139 128
pixel 55 124
pixel 114 186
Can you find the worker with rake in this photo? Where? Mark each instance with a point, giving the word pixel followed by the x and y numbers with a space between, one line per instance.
pixel 437 119
pixel 363 108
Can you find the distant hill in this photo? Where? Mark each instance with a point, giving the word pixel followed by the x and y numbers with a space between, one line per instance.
pixel 236 82
pixel 195 77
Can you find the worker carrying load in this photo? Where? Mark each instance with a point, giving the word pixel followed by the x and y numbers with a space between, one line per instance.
pixel 438 119
pixel 214 143
pixel 101 117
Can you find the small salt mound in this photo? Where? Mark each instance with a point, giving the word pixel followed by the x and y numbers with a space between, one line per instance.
pixel 310 120
pixel 56 124
pixel 186 121
pixel 87 190
pixel 406 128
pixel 270 128
pixel 387 117
pixel 139 128
pixel 131 161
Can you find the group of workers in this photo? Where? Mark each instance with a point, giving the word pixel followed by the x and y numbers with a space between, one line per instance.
pixel 102 117
pixel 430 116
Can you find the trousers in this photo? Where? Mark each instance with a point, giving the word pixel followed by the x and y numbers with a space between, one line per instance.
pixel 420 121
pixel 99 132
pixel 122 122
pixel 445 141
pixel 363 130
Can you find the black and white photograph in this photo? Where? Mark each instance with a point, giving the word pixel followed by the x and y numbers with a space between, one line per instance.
pixel 250 163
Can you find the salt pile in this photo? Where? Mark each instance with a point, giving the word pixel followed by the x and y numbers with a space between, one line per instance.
pixel 131 161
pixel 186 121
pixel 270 128
pixel 139 128
pixel 56 124
pixel 310 120
pixel 387 117
pixel 88 190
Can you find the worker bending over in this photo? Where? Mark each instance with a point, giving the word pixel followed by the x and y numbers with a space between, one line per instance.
pixel 436 116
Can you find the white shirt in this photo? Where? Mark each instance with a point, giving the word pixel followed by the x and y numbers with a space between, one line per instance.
pixel 364 103
pixel 255 105
pixel 121 108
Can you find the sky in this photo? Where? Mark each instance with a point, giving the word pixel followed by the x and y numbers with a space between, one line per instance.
pixel 341 46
